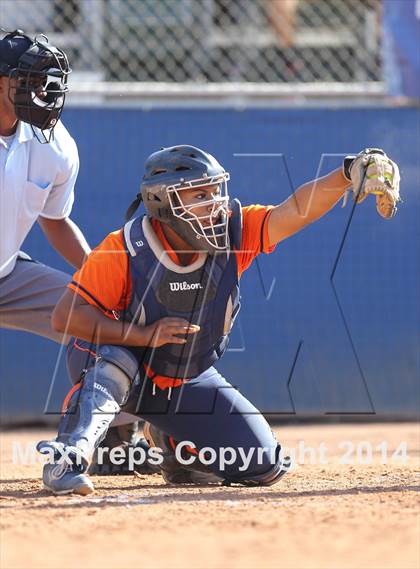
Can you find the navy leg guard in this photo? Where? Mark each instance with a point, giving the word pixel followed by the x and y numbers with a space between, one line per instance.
pixel 82 355
pixel 105 387
pixel 92 409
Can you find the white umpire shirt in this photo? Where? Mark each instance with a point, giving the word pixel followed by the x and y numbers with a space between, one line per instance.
pixel 35 180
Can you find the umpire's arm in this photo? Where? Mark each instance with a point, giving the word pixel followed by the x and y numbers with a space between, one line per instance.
pixel 66 238
pixel 307 204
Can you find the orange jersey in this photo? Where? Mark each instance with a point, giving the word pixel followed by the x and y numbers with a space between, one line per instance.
pixel 104 280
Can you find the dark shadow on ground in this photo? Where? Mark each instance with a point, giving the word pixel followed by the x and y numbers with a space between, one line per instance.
pixel 212 494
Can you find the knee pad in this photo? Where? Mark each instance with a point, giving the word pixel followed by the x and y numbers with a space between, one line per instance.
pixel 121 358
pixel 82 356
pixel 267 478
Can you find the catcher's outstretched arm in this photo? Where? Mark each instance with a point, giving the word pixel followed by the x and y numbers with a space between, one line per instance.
pixel 369 172
pixel 373 172
pixel 307 204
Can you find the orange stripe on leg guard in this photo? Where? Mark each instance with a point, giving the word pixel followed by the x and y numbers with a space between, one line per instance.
pixel 76 345
pixel 67 398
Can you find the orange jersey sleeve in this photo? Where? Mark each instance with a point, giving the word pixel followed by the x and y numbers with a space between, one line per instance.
pixel 254 235
pixel 103 280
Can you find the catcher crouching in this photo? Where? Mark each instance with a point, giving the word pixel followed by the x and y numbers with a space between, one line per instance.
pixel 152 308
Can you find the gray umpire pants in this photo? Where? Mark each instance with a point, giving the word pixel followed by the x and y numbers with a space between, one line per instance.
pixel 28 295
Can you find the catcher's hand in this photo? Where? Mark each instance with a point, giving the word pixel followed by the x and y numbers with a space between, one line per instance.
pixel 168 330
pixel 372 172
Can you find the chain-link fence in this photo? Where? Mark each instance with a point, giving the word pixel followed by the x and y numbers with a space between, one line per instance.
pixel 209 41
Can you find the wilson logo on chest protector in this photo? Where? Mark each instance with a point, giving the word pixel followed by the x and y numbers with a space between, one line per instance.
pixel 174 287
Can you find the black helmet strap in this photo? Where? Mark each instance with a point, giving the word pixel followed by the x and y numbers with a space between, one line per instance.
pixel 135 204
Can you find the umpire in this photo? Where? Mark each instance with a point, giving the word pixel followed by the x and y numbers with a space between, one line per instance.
pixel 38 170
pixel 39 164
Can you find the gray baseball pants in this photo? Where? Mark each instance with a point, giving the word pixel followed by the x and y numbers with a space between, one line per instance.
pixel 28 296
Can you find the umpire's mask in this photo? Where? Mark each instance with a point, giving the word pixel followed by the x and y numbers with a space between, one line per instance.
pixel 38 74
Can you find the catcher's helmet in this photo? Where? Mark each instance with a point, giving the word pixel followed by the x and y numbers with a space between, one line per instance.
pixel 41 71
pixel 170 171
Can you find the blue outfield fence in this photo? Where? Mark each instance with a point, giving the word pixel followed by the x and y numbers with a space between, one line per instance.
pixel 319 332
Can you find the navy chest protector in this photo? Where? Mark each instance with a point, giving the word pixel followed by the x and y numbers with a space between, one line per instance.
pixel 204 293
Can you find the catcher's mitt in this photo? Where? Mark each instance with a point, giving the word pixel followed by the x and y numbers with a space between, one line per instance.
pixel 372 172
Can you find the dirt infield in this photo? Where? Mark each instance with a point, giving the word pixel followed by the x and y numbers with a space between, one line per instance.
pixel 335 513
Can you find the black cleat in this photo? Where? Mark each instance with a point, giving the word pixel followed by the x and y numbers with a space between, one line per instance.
pixel 125 438
pixel 172 471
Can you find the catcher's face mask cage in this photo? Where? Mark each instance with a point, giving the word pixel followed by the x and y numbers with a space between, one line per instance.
pixel 208 219
pixel 38 86
pixel 203 221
